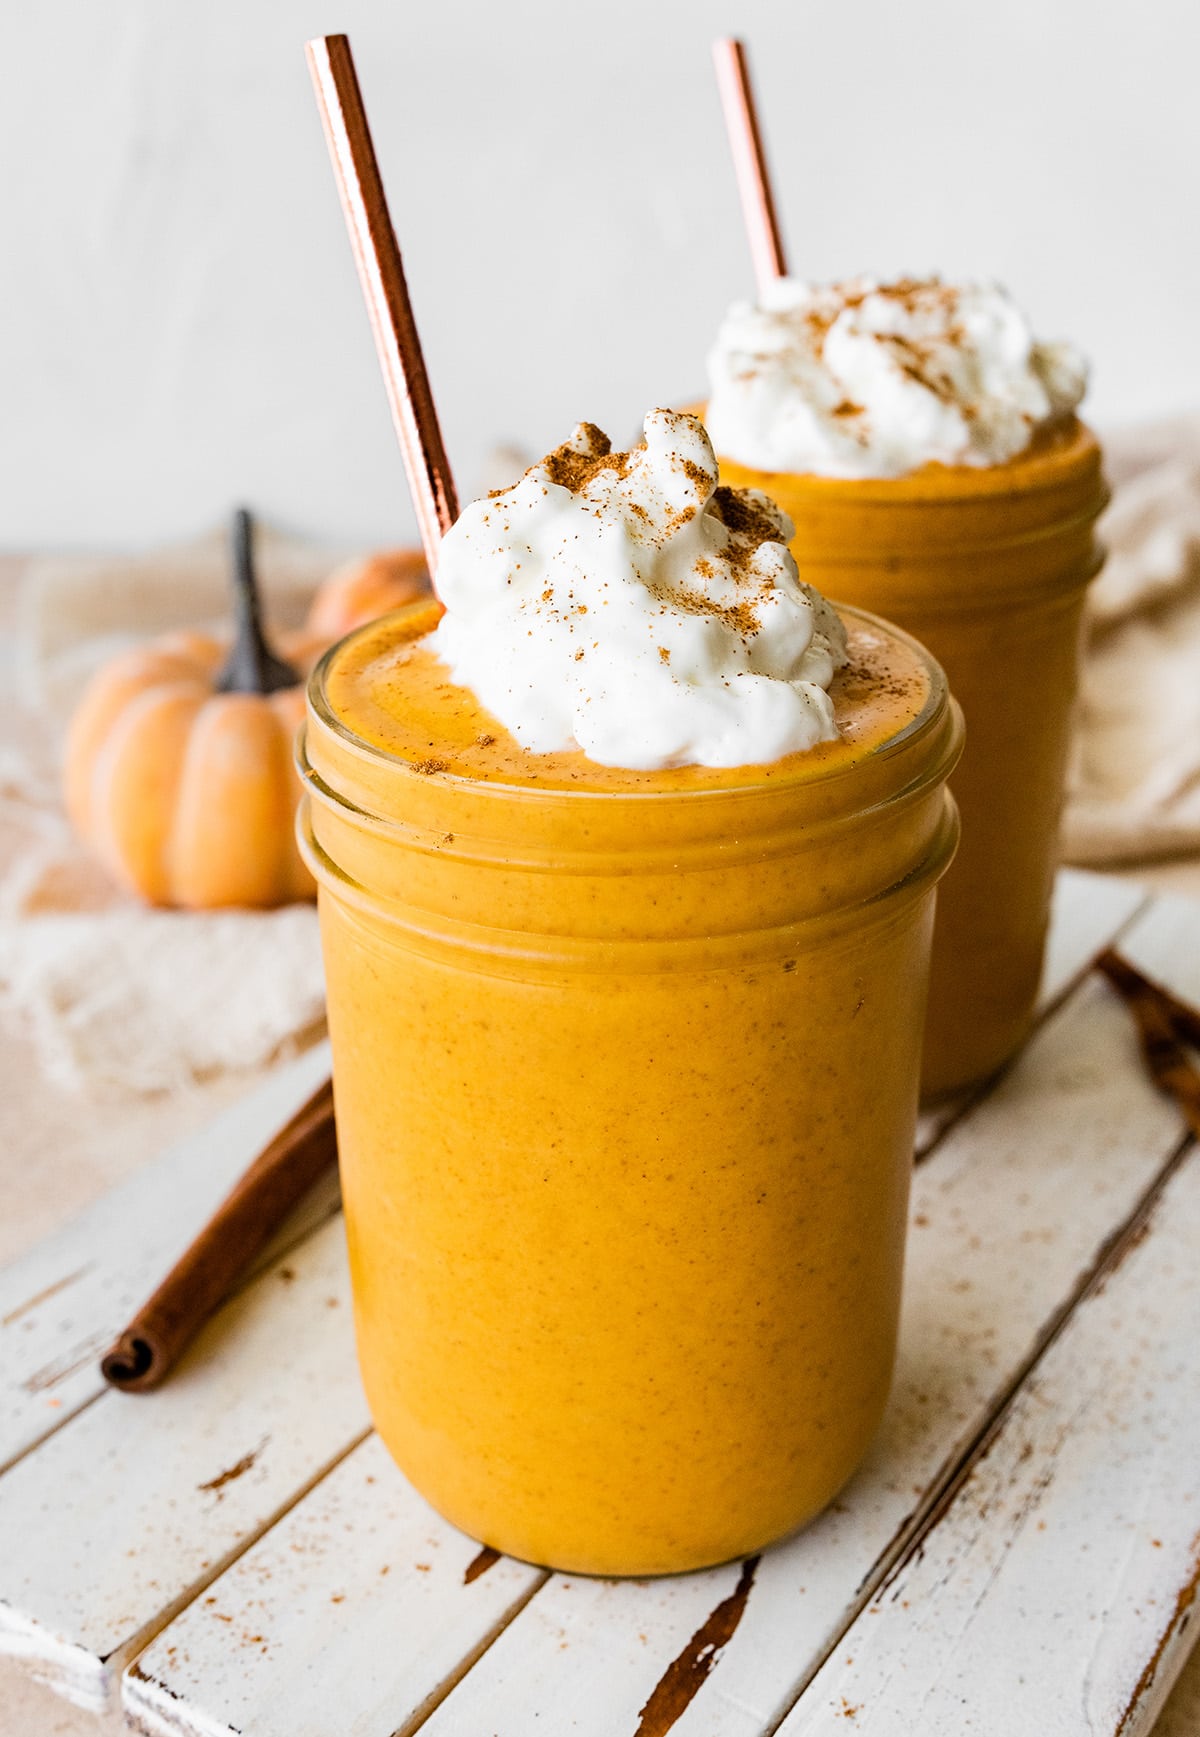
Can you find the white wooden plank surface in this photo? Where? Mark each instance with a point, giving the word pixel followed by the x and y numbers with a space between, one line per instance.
pixel 1008 1215
pixel 1087 912
pixel 121 1514
pixel 1054 1595
pixel 405 1600
pixel 63 1303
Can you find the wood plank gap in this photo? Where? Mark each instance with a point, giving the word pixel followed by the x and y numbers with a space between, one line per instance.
pixel 362 1574
pixel 1077 1623
pixel 63 1299
pixel 430 1705
pixel 52 1430
pixel 161 1474
pixel 946 1485
pixel 275 1251
pixel 125 1657
pixel 972 1100
pixel 1066 989
pixel 1153 1688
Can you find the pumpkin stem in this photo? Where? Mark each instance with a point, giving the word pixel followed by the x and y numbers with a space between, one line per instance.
pixel 251 667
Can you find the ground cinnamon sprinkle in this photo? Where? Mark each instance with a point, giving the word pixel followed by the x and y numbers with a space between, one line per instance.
pixel 740 515
pixel 738 616
pixel 911 293
pixel 916 360
pixel 749 523
pixel 857 681
pixel 574 470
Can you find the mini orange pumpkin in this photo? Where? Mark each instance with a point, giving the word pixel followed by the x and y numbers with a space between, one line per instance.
pixel 363 590
pixel 179 766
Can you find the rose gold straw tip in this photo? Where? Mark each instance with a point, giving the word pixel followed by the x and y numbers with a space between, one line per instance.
pixel 749 160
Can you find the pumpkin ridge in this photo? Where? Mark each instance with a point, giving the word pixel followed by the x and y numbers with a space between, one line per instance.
pixel 132 782
pixel 236 798
pixel 107 697
pixel 179 769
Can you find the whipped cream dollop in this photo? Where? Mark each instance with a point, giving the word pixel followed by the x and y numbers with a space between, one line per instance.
pixel 624 604
pixel 863 378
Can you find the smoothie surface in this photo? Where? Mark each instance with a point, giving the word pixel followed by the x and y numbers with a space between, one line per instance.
pixel 386 687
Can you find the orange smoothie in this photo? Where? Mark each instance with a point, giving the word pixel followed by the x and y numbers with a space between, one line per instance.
pixel 626 1069
pixel 988 568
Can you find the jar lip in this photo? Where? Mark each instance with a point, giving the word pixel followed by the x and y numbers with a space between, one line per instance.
pixel 1060 454
pixel 937 704
pixel 530 948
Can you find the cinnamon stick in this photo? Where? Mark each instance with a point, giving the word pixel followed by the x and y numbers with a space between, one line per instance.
pixel 1131 983
pixel 234 1236
pixel 1166 1027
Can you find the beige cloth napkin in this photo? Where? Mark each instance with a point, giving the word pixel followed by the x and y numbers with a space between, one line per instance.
pixel 1134 792
pixel 118 998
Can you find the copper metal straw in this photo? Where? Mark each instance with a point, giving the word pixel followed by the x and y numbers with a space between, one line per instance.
pixel 381 274
pixel 246 1219
pixel 749 160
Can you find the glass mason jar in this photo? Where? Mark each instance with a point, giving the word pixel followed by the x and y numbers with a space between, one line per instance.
pixel 626 1088
pixel 988 568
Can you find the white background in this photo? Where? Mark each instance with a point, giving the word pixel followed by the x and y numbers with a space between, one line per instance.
pixel 182 326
